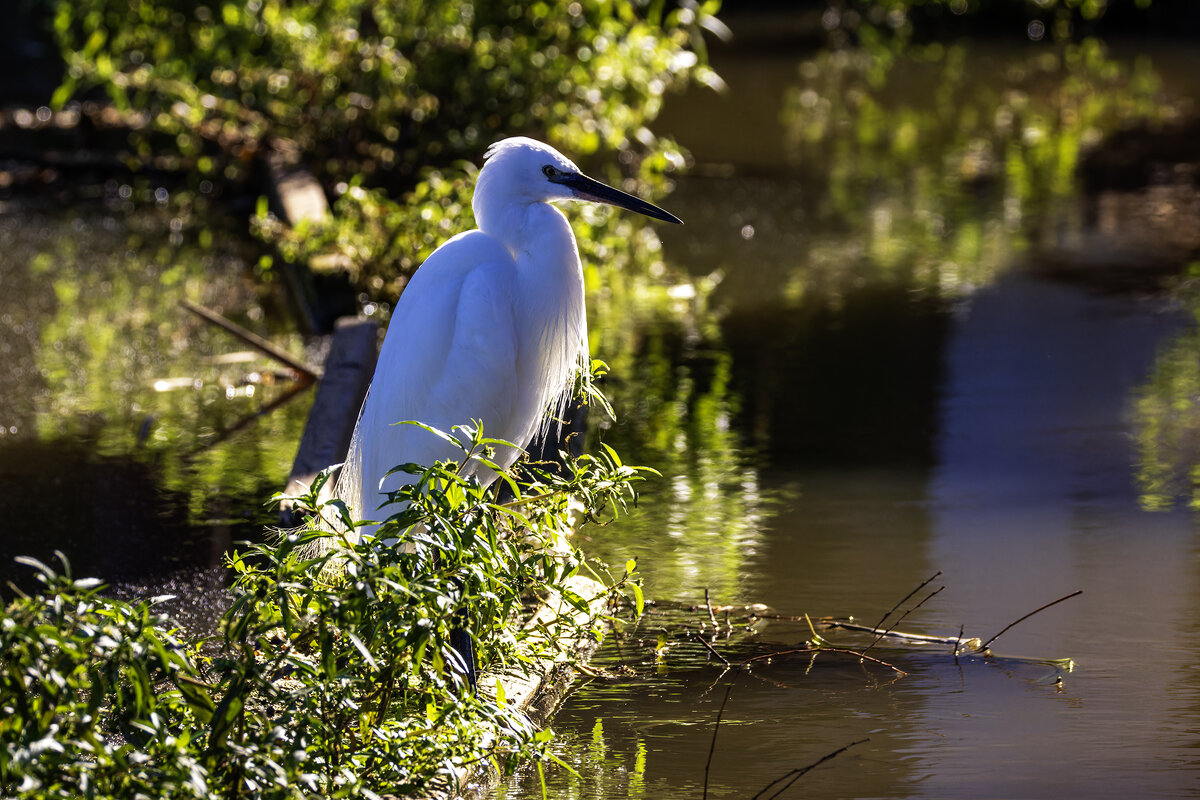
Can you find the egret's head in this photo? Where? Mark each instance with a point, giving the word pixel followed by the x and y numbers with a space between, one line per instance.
pixel 520 171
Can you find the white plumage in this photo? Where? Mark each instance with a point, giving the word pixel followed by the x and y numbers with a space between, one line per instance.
pixel 492 327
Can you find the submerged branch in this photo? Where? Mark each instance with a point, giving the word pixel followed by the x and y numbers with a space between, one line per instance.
pixel 906 613
pixel 712 650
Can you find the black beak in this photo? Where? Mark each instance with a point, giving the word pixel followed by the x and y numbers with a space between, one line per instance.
pixel 586 188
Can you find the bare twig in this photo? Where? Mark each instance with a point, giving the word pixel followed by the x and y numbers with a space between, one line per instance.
pixel 915 637
pixel 1030 614
pixel 922 585
pixel 902 616
pixel 797 773
pixel 712 650
pixel 708 605
pixel 254 340
pixel 823 649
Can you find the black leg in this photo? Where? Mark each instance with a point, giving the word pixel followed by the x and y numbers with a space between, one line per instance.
pixel 460 641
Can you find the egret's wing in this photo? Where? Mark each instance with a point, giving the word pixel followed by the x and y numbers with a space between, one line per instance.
pixel 448 358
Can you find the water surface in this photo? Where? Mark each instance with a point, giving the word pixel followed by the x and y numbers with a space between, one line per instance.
pixel 917 358
pixel 894 339
pixel 136 438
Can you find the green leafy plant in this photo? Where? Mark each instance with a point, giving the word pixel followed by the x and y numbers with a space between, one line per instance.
pixel 352 87
pixel 374 97
pixel 96 696
pixel 333 676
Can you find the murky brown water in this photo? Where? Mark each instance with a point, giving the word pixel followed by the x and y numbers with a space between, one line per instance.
pixel 904 388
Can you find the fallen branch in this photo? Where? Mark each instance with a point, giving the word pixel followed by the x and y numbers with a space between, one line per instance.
pixel 824 649
pixel 905 614
pixel 892 632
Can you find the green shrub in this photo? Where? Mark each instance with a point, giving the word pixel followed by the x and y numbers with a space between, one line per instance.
pixel 387 96
pixel 358 86
pixel 331 674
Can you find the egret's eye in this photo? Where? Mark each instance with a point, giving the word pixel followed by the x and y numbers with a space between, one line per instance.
pixel 550 172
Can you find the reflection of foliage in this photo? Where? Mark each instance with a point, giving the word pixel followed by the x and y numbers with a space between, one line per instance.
pixel 951 137
pixel 670 386
pixel 127 370
pixel 1167 426
pixel 603 765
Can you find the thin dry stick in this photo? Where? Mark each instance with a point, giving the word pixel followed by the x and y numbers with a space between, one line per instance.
pixel 823 649
pixel 902 616
pixel 253 339
pixel 958 642
pixel 799 772
pixel 712 649
pixel 1030 614
pixel 712 747
pixel 923 584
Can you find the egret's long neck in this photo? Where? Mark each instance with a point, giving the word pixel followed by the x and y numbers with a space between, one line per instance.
pixel 547 259
pixel 551 308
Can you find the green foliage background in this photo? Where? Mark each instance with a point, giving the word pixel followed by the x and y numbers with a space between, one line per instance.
pixel 373 96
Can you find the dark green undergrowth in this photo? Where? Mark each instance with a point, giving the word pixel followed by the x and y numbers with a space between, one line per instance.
pixel 332 675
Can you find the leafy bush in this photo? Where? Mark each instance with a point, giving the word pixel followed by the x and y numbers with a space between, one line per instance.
pixel 358 86
pixel 328 682
pixel 373 94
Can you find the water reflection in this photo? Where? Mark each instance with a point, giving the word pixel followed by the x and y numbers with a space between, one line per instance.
pixel 1033 496
pixel 124 417
pixel 917 379
pixel 1167 427
pixel 676 411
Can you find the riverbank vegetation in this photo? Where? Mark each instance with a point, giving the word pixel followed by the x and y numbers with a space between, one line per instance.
pixel 384 104
pixel 333 686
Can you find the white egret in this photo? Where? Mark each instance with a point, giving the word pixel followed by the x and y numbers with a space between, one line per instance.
pixel 491 327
